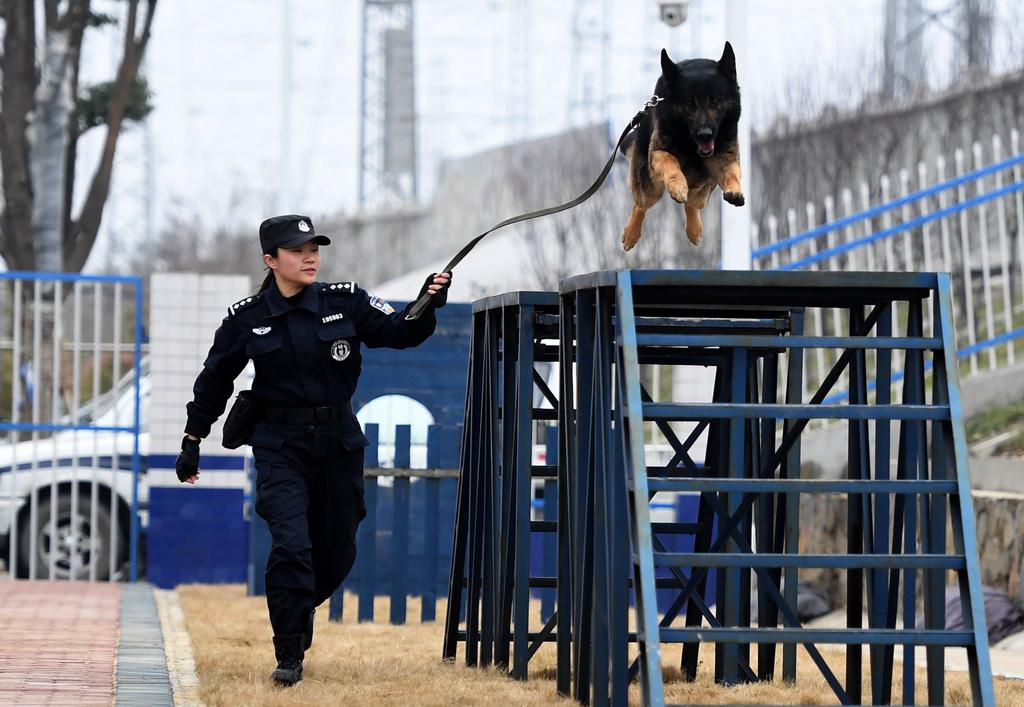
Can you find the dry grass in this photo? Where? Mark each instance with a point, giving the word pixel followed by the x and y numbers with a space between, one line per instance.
pixel 380 664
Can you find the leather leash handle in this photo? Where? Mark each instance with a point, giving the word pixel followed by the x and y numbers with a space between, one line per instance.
pixel 424 301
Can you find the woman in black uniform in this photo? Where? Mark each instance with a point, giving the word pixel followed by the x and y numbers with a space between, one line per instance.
pixel 303 337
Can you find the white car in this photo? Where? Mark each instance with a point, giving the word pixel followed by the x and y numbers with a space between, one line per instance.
pixel 44 523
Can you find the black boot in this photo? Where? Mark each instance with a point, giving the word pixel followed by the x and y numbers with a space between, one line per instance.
pixel 288 650
pixel 307 637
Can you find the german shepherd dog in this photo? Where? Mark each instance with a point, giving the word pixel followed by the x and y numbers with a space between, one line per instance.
pixel 687 143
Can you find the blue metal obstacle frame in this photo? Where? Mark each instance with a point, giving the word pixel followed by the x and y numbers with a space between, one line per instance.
pixel 491 579
pixel 746 325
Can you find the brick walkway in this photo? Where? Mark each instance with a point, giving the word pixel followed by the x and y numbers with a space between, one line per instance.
pixel 59 642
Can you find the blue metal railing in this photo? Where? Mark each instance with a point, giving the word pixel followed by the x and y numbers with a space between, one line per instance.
pixel 894 204
pixel 938 214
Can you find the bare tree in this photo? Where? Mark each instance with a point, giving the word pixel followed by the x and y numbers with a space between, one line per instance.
pixel 45 112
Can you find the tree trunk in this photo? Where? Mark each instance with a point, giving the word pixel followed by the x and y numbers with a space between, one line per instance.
pixel 19 81
pixel 47 141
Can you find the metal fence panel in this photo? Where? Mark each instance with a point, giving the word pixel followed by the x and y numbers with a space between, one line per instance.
pixel 70 456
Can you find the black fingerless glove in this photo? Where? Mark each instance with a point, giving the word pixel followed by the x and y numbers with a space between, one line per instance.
pixel 439 298
pixel 187 465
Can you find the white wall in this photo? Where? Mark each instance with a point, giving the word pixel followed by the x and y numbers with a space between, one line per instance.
pixel 185 311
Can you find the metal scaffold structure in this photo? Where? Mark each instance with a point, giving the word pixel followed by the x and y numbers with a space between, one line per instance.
pixel 906 490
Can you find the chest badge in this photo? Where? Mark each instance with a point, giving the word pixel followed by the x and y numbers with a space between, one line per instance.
pixel 261 330
pixel 340 350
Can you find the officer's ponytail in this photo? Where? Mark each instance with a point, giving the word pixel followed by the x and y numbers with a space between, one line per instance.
pixel 269 278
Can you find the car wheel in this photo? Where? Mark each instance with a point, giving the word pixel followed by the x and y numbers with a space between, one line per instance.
pixel 75 537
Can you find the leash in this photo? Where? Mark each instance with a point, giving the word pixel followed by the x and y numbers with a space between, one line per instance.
pixel 422 302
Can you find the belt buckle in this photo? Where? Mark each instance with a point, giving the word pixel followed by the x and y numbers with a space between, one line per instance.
pixel 323 414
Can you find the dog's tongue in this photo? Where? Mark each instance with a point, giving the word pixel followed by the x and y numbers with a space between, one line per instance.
pixel 706 148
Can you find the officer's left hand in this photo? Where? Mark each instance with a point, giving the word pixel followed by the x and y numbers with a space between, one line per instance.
pixel 437 286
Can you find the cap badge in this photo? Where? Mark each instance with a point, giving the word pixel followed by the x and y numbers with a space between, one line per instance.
pixel 303 226
pixel 340 350
pixel 261 330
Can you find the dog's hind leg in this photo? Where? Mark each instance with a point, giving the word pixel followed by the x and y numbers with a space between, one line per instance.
pixel 666 170
pixel 699 196
pixel 694 227
pixel 634 228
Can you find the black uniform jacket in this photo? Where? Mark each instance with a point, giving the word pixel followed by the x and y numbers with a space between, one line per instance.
pixel 306 354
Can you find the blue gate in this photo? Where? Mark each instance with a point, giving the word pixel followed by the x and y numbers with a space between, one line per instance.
pixel 70 412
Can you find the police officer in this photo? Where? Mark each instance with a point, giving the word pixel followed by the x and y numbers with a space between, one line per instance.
pixel 304 338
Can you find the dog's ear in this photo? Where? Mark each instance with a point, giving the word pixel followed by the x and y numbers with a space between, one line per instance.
pixel 727 64
pixel 668 68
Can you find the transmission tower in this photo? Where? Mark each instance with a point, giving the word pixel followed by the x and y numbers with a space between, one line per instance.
pixel 517 95
pixel 387 125
pixel 591 49
pixel 907 22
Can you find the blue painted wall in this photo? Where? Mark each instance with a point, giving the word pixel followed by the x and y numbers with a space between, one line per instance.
pixel 196 535
pixel 433 373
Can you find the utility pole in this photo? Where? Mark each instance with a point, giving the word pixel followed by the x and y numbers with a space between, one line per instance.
pixel 588 63
pixel 387 124
pixel 736 220
pixel 284 114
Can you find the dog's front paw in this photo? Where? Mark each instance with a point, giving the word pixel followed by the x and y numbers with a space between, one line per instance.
pixel 678 190
pixel 735 198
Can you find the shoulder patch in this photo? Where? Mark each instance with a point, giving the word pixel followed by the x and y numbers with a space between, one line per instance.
pixel 379 303
pixel 339 287
pixel 243 303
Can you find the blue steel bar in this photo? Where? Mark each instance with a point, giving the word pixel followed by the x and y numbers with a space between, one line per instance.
pixel 790 342
pixel 850 561
pixel 962 513
pixel 133 541
pixel 431 514
pixel 400 526
pixel 876 508
pixel 809 636
pixel 787 530
pixel 702 411
pixel 627 368
pixel 366 539
pixel 858 467
pixel 520 470
pixel 804 485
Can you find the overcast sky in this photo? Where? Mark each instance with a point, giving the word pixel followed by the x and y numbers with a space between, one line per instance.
pixel 215 141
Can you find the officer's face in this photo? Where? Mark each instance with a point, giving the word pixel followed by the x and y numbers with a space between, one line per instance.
pixel 295 267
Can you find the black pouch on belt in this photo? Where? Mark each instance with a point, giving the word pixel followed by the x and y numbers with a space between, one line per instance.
pixel 241 420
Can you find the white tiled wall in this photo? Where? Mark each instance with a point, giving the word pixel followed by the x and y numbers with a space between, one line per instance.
pixel 185 311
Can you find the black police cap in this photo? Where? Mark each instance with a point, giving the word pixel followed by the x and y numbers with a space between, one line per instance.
pixel 289 231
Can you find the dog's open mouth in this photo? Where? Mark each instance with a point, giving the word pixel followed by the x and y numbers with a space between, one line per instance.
pixel 706 149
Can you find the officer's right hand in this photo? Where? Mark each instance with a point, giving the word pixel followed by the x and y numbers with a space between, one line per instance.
pixel 187 466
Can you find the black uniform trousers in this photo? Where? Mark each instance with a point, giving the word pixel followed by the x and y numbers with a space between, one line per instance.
pixel 309 490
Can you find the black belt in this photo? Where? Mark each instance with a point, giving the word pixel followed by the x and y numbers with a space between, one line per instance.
pixel 323 415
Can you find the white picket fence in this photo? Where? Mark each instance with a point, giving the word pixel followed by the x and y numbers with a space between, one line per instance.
pixel 970 223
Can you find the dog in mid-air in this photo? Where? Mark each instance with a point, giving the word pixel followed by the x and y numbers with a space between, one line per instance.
pixel 687 144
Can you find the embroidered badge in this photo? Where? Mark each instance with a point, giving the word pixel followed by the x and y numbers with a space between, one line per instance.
pixel 332 318
pixel 378 303
pixel 303 226
pixel 340 350
pixel 260 330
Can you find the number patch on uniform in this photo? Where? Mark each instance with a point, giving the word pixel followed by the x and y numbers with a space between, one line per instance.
pixel 340 350
pixel 378 303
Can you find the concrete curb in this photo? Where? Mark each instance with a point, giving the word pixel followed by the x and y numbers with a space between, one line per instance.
pixel 181 664
pixel 140 676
